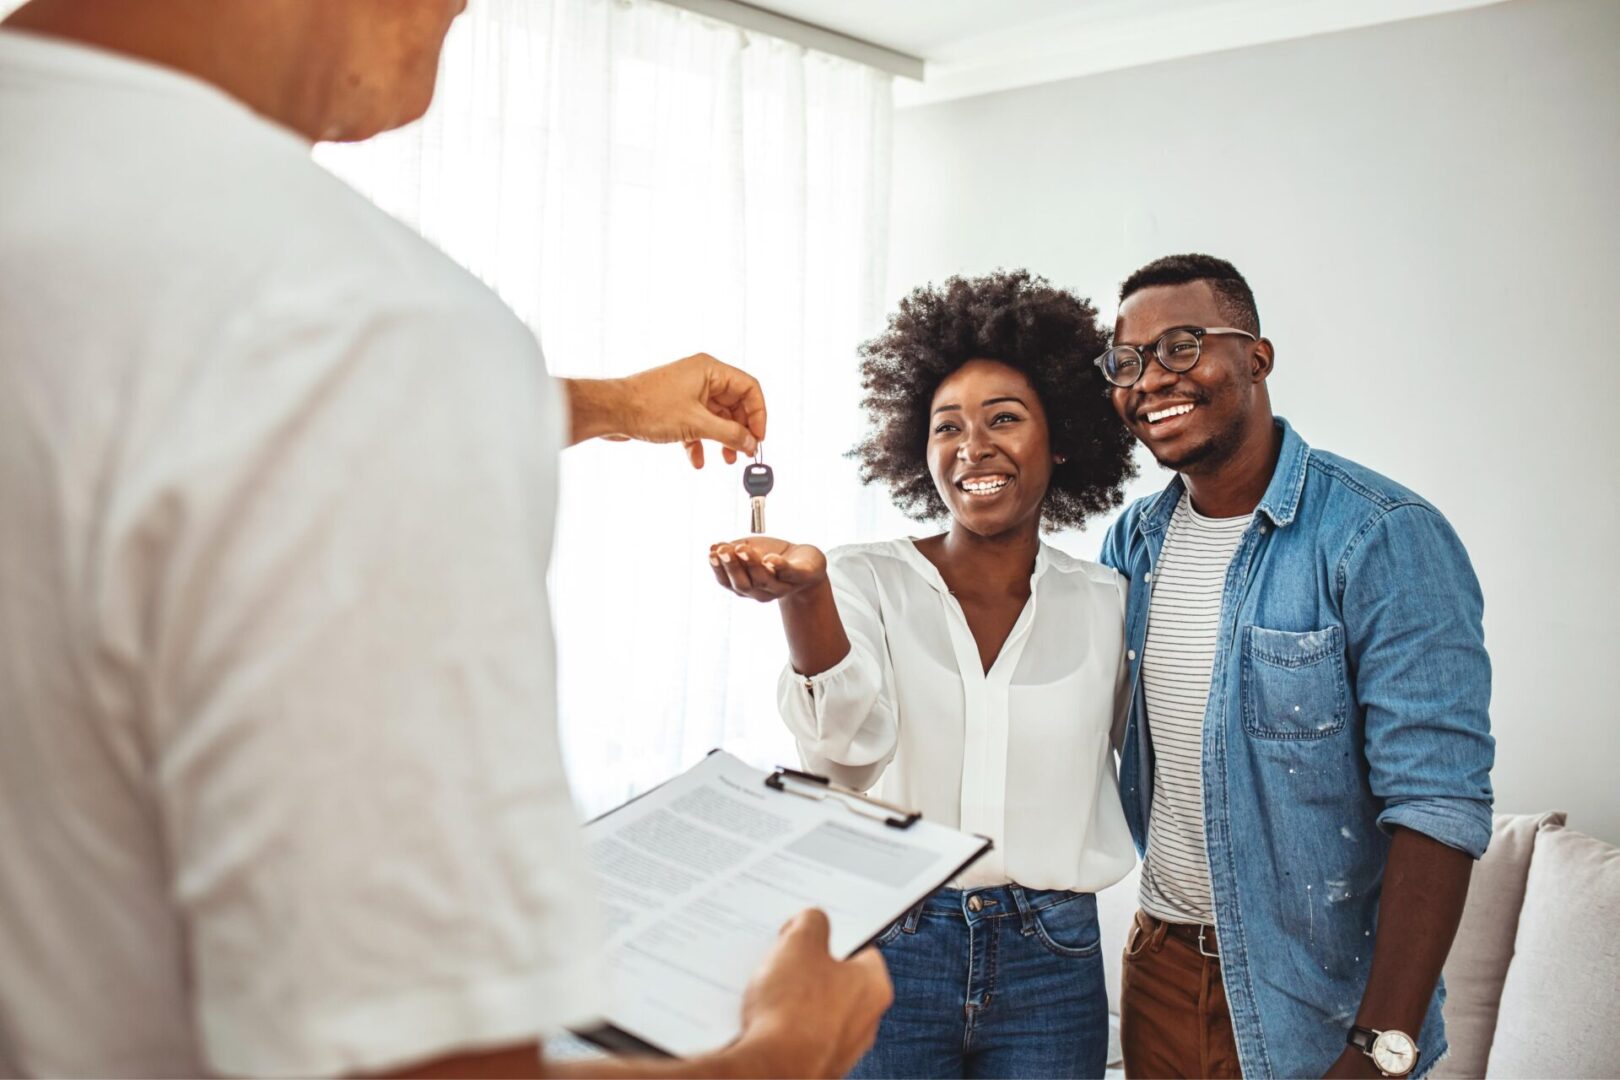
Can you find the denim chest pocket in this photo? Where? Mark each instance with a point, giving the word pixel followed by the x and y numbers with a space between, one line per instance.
pixel 1294 683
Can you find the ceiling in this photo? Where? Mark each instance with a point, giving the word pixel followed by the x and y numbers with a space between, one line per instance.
pixel 979 46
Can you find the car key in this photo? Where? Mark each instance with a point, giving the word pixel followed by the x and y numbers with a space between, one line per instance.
pixel 757 481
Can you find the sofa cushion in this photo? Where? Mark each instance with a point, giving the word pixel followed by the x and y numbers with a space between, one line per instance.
pixel 1479 958
pixel 1560 1013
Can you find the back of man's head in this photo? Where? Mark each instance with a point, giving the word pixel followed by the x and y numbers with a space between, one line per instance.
pixel 327 69
pixel 1232 292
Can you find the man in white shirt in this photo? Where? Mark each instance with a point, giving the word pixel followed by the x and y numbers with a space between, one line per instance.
pixel 280 790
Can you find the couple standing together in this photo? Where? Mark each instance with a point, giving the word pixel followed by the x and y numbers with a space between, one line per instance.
pixel 1284 647
pixel 281 792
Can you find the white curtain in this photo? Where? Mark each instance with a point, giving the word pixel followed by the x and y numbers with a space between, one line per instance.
pixel 640 184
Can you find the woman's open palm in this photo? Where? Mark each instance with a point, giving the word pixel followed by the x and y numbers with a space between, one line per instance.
pixel 765 568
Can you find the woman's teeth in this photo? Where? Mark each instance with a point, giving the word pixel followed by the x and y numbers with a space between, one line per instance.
pixel 986 485
pixel 1165 414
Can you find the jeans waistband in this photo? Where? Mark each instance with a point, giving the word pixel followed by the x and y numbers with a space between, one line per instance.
pixel 992 902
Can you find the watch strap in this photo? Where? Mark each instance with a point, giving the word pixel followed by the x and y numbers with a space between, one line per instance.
pixel 1362 1039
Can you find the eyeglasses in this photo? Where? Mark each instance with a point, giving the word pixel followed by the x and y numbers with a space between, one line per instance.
pixel 1178 350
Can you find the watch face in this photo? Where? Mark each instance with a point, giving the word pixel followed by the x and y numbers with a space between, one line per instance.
pixel 1394 1053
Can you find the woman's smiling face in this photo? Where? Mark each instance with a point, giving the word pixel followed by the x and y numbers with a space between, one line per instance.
pixel 989 447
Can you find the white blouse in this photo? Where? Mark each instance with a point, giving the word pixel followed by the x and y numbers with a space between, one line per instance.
pixel 1020 754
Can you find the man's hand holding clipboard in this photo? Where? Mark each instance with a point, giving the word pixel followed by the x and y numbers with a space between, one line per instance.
pixel 699 876
pixel 835 1006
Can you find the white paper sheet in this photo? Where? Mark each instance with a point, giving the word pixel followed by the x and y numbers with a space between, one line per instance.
pixel 699 875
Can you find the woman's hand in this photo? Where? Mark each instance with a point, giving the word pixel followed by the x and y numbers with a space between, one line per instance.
pixel 764 568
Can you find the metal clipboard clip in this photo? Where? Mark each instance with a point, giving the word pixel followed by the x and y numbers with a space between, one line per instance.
pixel 820 788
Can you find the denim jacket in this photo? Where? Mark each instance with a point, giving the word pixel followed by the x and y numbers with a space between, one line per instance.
pixel 1350 693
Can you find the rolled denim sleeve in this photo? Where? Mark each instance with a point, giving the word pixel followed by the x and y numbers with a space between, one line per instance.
pixel 1414 617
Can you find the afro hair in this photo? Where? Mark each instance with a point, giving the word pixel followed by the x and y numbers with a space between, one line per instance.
pixel 1048 334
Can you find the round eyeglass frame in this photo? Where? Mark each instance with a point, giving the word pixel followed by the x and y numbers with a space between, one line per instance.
pixel 1157 351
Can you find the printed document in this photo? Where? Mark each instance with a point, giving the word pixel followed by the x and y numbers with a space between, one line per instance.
pixel 698 876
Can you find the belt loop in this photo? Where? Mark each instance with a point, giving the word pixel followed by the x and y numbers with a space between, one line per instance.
pixel 1147 934
pixel 1160 929
pixel 1133 936
pixel 914 916
pixel 1026 915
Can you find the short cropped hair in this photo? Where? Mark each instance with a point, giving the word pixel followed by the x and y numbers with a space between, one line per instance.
pixel 1232 293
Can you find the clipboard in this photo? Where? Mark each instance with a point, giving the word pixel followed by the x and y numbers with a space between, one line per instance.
pixel 876 859
pixel 893 816
pixel 896 817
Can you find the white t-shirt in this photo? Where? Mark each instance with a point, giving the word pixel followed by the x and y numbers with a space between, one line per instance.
pixel 1020 753
pixel 280 788
pixel 1184 620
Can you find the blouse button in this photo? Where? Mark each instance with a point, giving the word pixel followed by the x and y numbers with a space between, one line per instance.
pixel 1130 654
pixel 1147 576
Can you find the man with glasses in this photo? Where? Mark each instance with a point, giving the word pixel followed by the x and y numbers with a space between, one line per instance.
pixel 1306 765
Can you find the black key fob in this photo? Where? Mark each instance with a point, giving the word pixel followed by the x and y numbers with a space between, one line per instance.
pixel 758 479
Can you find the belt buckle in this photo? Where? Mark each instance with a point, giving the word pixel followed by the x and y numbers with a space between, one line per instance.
pixel 1202 951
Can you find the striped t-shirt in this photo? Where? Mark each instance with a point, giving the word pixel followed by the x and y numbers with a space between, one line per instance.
pixel 1184 615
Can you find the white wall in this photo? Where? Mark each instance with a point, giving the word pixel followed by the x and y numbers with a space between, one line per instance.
pixel 1427 213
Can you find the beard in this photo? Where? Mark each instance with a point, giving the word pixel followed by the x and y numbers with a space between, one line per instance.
pixel 1213 451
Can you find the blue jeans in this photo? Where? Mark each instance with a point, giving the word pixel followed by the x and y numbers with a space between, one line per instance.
pixel 999 982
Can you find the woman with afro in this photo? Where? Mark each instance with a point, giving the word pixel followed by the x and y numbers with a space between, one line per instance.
pixel 974 674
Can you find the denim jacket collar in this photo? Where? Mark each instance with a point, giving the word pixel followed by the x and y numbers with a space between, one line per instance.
pixel 1280 502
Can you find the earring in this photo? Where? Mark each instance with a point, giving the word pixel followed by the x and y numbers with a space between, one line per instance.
pixel 1059 458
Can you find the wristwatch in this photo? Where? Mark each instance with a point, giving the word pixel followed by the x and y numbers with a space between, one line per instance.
pixel 1393 1053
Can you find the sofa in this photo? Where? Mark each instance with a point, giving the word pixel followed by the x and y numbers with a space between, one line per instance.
pixel 1533 980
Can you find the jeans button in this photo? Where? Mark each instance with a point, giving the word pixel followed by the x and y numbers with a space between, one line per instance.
pixel 975 903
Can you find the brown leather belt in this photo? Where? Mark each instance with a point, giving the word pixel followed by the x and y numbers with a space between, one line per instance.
pixel 1200 937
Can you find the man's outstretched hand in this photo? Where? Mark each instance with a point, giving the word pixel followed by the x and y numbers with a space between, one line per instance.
pixel 690 401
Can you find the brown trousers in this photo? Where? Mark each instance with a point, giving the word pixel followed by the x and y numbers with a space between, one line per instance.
pixel 1173 1020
